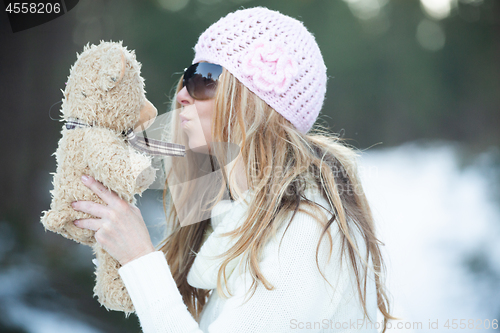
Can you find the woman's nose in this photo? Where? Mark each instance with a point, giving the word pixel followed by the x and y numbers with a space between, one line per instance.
pixel 184 98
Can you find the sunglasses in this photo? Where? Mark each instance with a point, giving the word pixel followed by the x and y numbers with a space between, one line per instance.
pixel 201 80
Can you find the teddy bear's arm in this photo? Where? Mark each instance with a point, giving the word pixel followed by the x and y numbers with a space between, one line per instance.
pixel 114 164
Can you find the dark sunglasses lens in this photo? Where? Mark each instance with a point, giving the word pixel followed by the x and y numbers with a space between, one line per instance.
pixel 201 80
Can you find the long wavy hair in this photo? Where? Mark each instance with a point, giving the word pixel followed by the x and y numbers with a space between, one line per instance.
pixel 279 161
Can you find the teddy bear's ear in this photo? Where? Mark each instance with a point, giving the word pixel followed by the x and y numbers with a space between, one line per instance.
pixel 113 64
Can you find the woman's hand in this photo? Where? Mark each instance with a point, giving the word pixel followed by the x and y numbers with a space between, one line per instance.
pixel 121 230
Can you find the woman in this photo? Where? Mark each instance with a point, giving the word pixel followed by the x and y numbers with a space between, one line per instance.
pixel 261 263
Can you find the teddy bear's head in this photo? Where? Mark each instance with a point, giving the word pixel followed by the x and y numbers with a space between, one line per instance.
pixel 105 89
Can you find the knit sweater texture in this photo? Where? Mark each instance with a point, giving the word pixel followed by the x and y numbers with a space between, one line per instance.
pixel 302 300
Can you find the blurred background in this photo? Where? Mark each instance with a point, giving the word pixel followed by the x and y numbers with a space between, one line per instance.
pixel 415 85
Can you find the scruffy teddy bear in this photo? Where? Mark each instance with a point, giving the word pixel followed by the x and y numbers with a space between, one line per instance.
pixel 104 99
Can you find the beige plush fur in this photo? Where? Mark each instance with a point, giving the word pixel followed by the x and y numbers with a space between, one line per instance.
pixel 105 90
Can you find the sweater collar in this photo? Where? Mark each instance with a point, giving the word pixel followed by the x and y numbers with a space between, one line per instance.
pixel 226 216
pixel 223 207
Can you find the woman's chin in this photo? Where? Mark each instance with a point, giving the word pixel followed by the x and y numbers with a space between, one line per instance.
pixel 199 148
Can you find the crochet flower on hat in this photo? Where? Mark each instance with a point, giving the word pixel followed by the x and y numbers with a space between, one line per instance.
pixel 270 67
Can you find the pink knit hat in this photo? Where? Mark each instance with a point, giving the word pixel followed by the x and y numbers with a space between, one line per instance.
pixel 274 56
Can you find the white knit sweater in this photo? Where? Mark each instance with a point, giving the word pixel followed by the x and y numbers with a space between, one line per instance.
pixel 302 300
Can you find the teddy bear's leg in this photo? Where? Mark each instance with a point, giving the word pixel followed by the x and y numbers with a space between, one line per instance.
pixel 109 288
pixel 61 222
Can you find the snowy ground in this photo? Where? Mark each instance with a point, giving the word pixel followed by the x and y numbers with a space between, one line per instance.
pixel 434 218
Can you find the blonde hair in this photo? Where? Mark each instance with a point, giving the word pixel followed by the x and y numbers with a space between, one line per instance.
pixel 270 142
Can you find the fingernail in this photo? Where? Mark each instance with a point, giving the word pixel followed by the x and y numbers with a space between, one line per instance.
pixel 76 222
pixel 85 178
pixel 73 204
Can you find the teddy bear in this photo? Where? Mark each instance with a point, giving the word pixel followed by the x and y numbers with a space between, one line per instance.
pixel 104 105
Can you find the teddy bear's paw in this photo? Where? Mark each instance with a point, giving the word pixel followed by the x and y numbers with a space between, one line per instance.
pixel 138 161
pixel 145 179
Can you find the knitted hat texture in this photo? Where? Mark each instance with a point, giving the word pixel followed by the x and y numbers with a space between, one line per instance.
pixel 274 56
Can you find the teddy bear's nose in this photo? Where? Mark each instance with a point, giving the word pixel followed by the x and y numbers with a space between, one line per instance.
pixel 147 116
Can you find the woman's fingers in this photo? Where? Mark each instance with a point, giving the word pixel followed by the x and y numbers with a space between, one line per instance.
pixel 92 224
pixel 91 208
pixel 106 195
pixel 119 226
